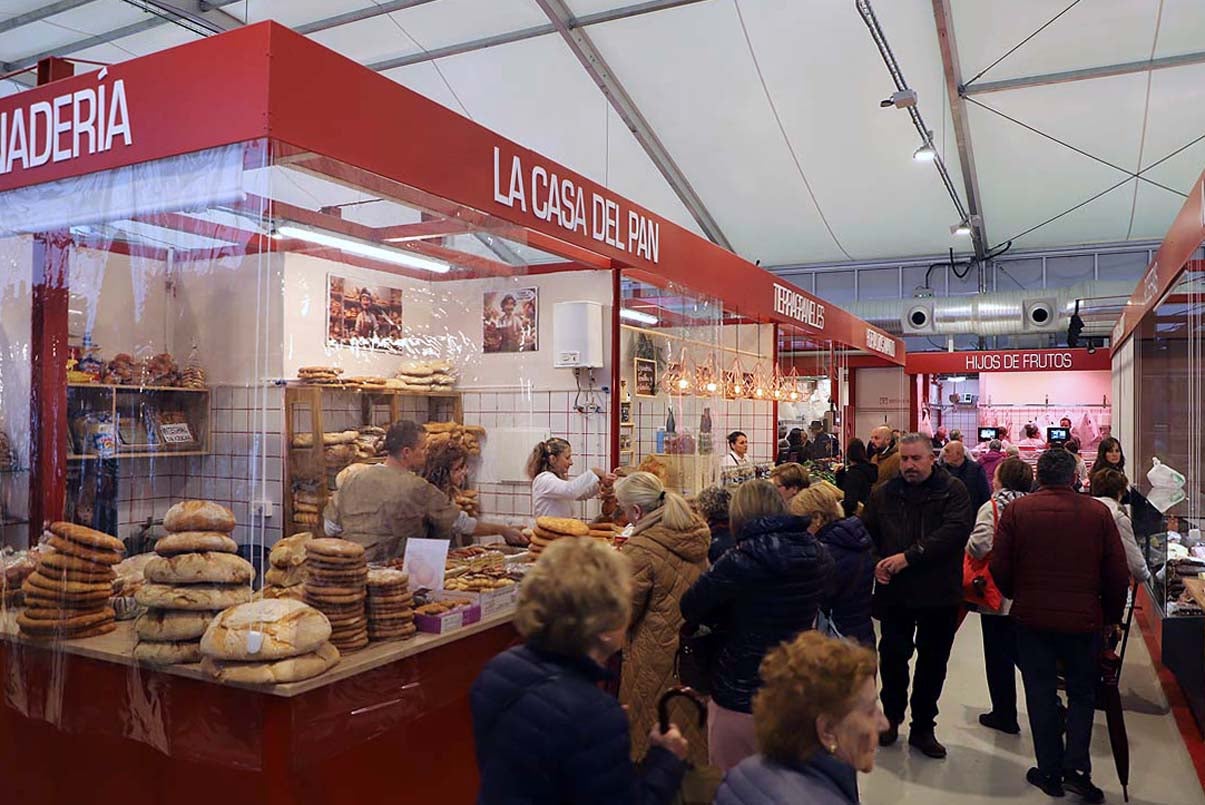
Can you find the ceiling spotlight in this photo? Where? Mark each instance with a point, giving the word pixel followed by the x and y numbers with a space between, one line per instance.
pixel 926 153
pixel 963 229
pixel 957 379
pixel 901 99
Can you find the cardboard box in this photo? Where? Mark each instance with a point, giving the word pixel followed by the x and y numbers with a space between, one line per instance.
pixel 448 621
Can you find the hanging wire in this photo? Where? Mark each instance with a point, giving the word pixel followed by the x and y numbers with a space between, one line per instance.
pixel 1018 46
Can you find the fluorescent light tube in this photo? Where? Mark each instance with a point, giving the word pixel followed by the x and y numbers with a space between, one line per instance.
pixel 362 248
pixel 636 315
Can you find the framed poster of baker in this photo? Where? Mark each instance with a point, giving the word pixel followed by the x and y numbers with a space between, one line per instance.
pixel 363 316
pixel 510 320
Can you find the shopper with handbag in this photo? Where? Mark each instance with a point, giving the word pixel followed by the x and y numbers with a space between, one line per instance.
pixel 846 607
pixel 667 552
pixel 1012 479
pixel 544 731
pixel 764 591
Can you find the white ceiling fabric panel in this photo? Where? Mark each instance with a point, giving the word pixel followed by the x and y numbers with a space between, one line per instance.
pixel 70 26
pixel 297 12
pixel 550 105
pixel 1093 33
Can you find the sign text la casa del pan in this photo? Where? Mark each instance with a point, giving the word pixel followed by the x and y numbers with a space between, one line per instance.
pixel 559 200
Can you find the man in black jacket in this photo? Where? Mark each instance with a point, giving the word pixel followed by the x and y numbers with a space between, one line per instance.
pixel 956 462
pixel 919 522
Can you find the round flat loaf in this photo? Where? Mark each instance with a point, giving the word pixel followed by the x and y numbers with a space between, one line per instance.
pixel 343 618
pixel 294 669
pixel 158 625
pixel 397 631
pixel 294 593
pixel 305 518
pixel 93 555
pixel 391 601
pixel 100 573
pixel 290 551
pixel 333 549
pixel 168 653
pixel 41 599
pixel 89 537
pixel 198 515
pixel 355 644
pixel 55 586
pixel 387 577
pixel 289 628
pixel 190 568
pixel 564 525
pixel 194 541
pixel 350 597
pixel 548 536
pixel 65 561
pixel 279 577
pixel 58 614
pixel 91 631
pixel 193 597
pixel 85 620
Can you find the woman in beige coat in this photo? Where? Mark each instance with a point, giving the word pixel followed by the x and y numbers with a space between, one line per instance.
pixel 668 552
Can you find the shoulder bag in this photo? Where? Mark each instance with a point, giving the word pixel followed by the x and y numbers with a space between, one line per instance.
pixel 978 586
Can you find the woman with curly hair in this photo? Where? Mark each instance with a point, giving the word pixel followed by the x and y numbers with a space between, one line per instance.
pixel 447 468
pixel 817 719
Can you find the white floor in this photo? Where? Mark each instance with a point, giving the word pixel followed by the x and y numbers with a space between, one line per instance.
pixel 987 766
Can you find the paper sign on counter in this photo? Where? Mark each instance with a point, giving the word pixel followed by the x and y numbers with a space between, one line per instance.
pixel 425 561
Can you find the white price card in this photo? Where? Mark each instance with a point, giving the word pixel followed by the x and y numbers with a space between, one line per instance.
pixel 176 433
pixel 425 561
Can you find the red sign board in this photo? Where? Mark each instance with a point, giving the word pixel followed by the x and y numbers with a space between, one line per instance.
pixel 1019 360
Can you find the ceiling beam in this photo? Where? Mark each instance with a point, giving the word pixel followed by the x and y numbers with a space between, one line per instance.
pixel 48 10
pixel 962 129
pixel 534 31
pixel 1086 74
pixel 596 67
pixel 200 9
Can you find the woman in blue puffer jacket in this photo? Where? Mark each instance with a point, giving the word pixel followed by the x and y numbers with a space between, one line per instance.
pixel 846 605
pixel 765 590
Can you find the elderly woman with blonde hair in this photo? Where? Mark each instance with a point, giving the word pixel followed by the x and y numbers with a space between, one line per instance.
pixel 818 721
pixel 667 552
pixel 544 730
pixel 765 590
pixel 845 610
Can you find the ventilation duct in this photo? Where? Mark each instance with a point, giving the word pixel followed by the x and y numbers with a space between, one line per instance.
pixel 1007 313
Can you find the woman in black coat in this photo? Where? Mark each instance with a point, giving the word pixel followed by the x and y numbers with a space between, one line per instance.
pixel 764 591
pixel 857 477
pixel 544 730
pixel 1146 518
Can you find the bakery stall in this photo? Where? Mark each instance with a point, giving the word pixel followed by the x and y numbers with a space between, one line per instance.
pixel 216 297
pixel 1028 398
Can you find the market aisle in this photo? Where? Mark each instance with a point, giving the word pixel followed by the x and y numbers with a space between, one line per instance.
pixel 986 766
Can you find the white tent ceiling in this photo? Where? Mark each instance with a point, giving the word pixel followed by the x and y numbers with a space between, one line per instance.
pixel 769 109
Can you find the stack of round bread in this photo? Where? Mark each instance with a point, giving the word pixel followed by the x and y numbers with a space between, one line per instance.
pixel 426 376
pixel 603 531
pixel 390 605
pixel 268 642
pixel 287 572
pixel 307 509
pixel 552 528
pixel 197 573
pixel 68 595
pixel 320 375
pixel 336 576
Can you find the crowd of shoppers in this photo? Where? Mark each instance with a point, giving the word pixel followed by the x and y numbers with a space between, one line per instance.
pixel 786 576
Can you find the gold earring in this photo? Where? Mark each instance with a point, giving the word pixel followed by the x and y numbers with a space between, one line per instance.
pixel 832 749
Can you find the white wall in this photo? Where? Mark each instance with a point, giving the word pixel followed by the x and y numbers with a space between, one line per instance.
pixel 1124 410
pixel 882 399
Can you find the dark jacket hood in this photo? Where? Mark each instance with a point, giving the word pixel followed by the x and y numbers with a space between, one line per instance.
pixel 755 538
pixel 848 533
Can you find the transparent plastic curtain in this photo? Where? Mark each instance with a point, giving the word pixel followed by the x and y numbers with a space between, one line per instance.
pixel 169 297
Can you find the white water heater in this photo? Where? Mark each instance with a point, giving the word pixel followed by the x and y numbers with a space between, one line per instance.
pixel 577 335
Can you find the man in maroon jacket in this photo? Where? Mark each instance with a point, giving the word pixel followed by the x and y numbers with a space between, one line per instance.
pixel 1058 555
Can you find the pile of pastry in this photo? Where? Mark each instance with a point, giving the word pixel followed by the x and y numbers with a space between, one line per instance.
pixel 123 370
pixel 307 509
pixel 604 531
pixel 466 500
pixel 550 529
pixel 474 557
pixel 390 605
pixel 336 580
pixel 268 642
pixel 15 568
pixel 320 375
pixel 425 376
pixel 286 574
pixel 329 439
pixel 436 608
pixel 193 377
pixel 370 442
pixel 368 381
pixel 467 436
pixel 197 572
pixel 67 597
pixel 477 581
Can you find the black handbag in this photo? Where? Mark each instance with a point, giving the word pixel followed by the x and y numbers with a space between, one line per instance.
pixel 698 649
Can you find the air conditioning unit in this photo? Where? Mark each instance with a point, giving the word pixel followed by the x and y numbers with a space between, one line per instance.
pixel 918 319
pixel 1041 314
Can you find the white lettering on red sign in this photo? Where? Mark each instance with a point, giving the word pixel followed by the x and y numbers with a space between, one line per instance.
pixel 562 201
pixel 794 305
pixel 1019 361
pixel 75 124
pixel 877 342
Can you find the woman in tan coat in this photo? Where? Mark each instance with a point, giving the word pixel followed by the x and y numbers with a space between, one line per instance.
pixel 668 552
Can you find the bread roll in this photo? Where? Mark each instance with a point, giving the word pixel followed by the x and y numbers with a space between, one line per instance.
pixel 290 551
pixel 193 541
pixel 168 653
pixel 289 628
pixel 293 669
pixel 165 624
pixel 199 515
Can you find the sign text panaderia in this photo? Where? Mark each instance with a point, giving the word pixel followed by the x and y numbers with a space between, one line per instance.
pixel 561 201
